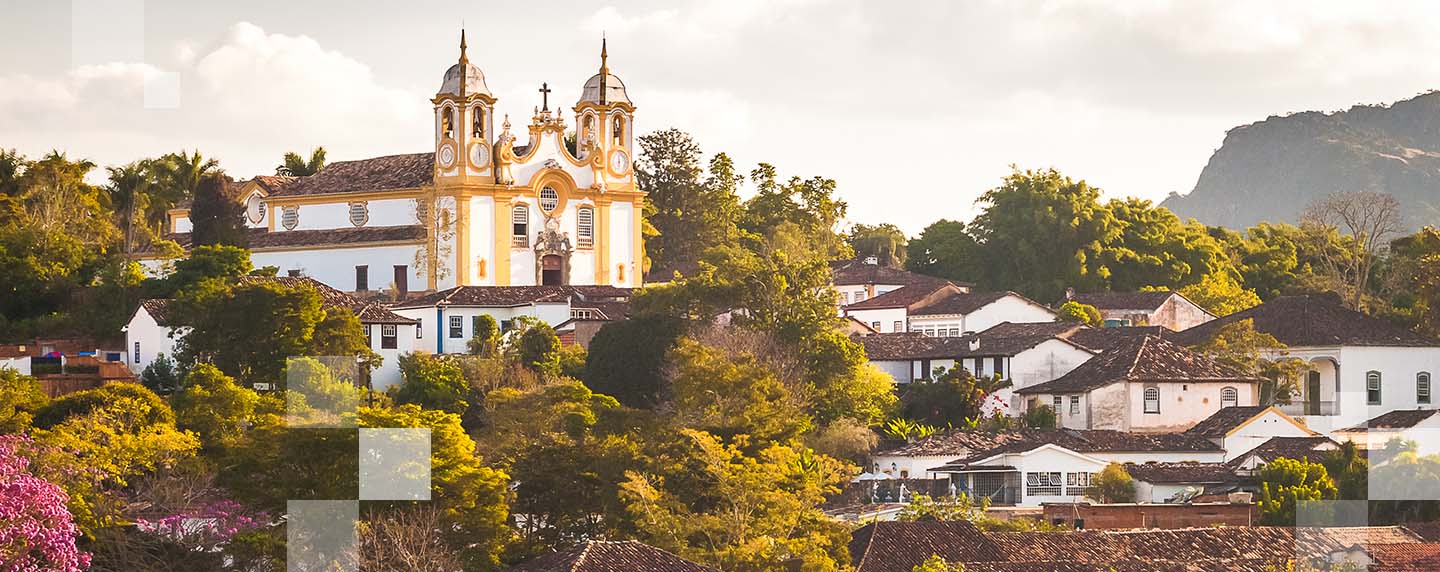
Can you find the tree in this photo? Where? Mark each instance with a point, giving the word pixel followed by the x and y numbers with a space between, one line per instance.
pixel 214 407
pixel 129 187
pixel 1350 470
pixel 945 249
pixel 1220 294
pixel 866 395
pixel 217 215
pixel 161 376
pixel 886 242
pixel 625 358
pixel 538 347
pixel 949 400
pixel 179 177
pixel 1370 218
pixel 1284 483
pixel 486 339
pixel 937 564
pixel 1240 346
pixel 296 166
pixel 39 533
pixel 432 382
pixel 689 210
pixel 20 397
pixel 1112 484
pixel 1080 313
pixel 729 395
pixel 202 263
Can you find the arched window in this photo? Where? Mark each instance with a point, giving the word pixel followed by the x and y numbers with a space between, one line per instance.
pixel 1372 388
pixel 520 225
pixel 549 199
pixel 619 130
pixel 447 121
pixel 585 226
pixel 477 123
pixel 1152 400
pixel 1229 397
pixel 1422 387
pixel 255 209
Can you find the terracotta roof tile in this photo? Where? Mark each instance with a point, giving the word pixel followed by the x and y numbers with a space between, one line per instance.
pixel 409 171
pixel 1312 320
pixel 511 296
pixel 1398 419
pixel 858 272
pixel 1141 359
pixel 1289 448
pixel 1078 440
pixel 1180 472
pixel 611 556
pixel 369 312
pixel 906 296
pixel 900 546
pixel 1148 301
pixel 1226 419
pixel 1102 339
pixel 960 303
pixel 261 239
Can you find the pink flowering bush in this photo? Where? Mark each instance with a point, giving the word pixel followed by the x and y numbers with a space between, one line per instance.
pixel 37 533
pixel 209 527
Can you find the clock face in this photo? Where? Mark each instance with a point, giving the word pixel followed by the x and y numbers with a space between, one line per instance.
pixel 479 155
pixel 619 162
pixel 447 155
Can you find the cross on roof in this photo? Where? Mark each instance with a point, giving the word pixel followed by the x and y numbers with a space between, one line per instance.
pixel 545 97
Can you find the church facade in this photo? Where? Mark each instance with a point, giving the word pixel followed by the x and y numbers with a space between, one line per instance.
pixel 482 208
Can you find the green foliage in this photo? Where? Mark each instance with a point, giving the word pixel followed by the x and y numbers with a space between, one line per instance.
pixel 937 564
pixel 1220 294
pixel 203 263
pixel 20 398
pixel 945 249
pixel 432 382
pixel 625 358
pixel 731 396
pixel 886 242
pixel 145 403
pixel 1041 417
pixel 218 214
pixel 296 166
pixel 1080 313
pixel 949 400
pixel 214 407
pixel 538 348
pixel 485 341
pixel 162 376
pixel 866 395
pixel 1240 346
pixel 1112 484
pixel 901 428
pixel 688 210
pixel 963 507
pixel 1350 470
pixel 1284 483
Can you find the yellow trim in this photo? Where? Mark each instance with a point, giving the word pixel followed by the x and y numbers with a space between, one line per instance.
pixel 501 210
pixel 335 246
pixel 602 241
pixel 462 241
pixel 637 249
pixel 303 200
pixel 1262 414
pixel 557 179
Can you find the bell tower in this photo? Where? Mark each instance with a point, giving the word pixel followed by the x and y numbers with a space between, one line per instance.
pixel 604 117
pixel 464 124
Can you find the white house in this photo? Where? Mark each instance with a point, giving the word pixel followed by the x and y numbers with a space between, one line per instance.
pixel 1250 462
pixel 1144 384
pixel 1419 425
pixel 861 279
pixel 1359 366
pixel 1176 482
pixel 1240 429
pixel 945 310
pixel 1165 308
pixel 448 317
pixel 151 330
pixel 1057 466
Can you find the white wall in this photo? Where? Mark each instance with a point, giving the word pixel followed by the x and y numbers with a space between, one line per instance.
pixel 1269 424
pixel 1007 309
pixel 1046 361
pixel 388 373
pixel 482 241
pixel 21 365
pixel 912 467
pixel 1397 367
pixel 436 337
pixel 153 340
pixel 1047 460
pixel 886 316
pixel 1182 405
pixel 899 370
pixel 324 216
pixel 335 267
pixel 622 247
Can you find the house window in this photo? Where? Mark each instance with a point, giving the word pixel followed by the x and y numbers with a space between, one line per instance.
pixel 549 199
pixel 359 213
pixel 999 365
pixel 1074 404
pixel 295 273
pixel 1422 387
pixel 1055 403
pixel 457 327
pixel 362 278
pixel 585 226
pixel 1076 483
pixel 137 352
pixel 419 328
pixel 859 296
pixel 954 332
pixel 1152 400
pixel 978 363
pixel 582 314
pixel 290 217
pixel 875 326
pixel 389 336
pixel 844 298
pixel 1372 387
pixel 255 209
pixel 1229 397
pixel 899 326
pixel 1043 484
pixel 520 226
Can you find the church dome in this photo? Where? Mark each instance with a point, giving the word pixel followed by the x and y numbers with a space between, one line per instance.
pixel 474 81
pixel 614 90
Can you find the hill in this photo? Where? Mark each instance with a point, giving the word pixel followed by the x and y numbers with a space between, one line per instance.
pixel 1270 170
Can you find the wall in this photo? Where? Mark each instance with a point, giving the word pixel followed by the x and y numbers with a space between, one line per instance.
pixel 914 467
pixel 1397 367
pixel 21 365
pixel 623 250
pixel 897 370
pixel 323 216
pixel 1182 405
pixel 436 336
pixel 1178 313
pixel 1169 516
pixel 886 316
pixel 153 338
pixel 1007 309
pixel 1046 361
pixel 1270 424
pixel 1052 459
pixel 336 266
pixel 388 373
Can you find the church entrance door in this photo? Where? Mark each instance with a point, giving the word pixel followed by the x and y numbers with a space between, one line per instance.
pixel 551 273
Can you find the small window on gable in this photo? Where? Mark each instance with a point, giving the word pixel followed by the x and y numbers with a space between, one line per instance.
pixel 1372 388
pixel 359 213
pixel 290 217
pixel 549 199
pixel 255 209
pixel 585 227
pixel 1422 387
pixel 1152 400
pixel 1229 397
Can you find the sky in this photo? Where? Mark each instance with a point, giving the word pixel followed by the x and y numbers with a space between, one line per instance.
pixel 915 108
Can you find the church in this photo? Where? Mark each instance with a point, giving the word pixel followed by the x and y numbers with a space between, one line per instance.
pixel 480 209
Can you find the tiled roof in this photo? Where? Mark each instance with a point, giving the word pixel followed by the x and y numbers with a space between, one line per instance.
pixel 159 310
pixel 1180 472
pixel 274 183
pixel 1058 329
pixel 1102 339
pixel 260 238
pixel 1312 320
pixel 915 346
pixel 955 443
pixel 1225 420
pixel 1398 419
pixel 1152 549
pixel 905 296
pixel 959 303
pixel 1427 531
pixel 377 174
pixel 1148 301
pixel 1289 448
pixel 858 273
pixel 1141 359
pixel 369 312
pixel 1404 557
pixel 611 556
pixel 511 296
pixel 1088 441
pixel 1347 536
pixel 1211 565
pixel 901 546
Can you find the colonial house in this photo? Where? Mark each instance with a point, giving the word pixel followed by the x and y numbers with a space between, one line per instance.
pixel 1057 465
pixel 1239 429
pixel 1419 425
pixel 945 310
pixel 447 318
pixel 1025 354
pixel 1167 309
pixel 1250 462
pixel 610 556
pixel 1145 384
pixel 861 279
pixel 482 207
pixel 1359 366
pixel 151 330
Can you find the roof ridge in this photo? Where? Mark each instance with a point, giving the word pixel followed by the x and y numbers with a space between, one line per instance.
pixel 580 558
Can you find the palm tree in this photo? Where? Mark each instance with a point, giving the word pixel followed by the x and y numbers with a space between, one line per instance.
pixel 296 166
pixel 129 188
pixel 179 174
